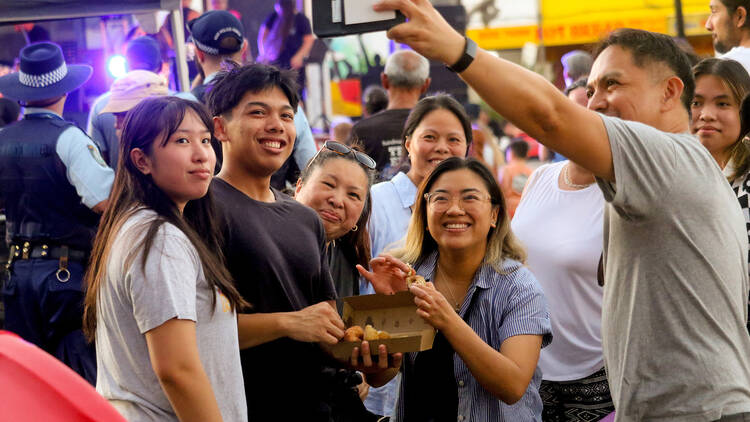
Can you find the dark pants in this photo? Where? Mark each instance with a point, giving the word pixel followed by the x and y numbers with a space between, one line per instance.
pixel 47 312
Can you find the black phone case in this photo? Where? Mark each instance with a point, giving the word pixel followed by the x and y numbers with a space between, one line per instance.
pixel 325 28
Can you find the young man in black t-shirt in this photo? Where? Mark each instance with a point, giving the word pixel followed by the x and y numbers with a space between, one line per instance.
pixel 274 249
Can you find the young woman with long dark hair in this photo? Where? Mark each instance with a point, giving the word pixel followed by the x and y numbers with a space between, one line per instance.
pixel 159 302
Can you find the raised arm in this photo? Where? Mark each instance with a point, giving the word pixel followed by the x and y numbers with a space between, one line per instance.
pixel 521 96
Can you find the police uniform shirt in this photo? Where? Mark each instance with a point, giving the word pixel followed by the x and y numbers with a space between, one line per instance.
pixel 85 168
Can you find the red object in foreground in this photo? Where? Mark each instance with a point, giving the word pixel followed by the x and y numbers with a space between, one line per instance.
pixel 34 386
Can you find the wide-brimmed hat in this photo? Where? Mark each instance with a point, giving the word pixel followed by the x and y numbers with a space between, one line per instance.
pixel 209 30
pixel 135 86
pixel 43 74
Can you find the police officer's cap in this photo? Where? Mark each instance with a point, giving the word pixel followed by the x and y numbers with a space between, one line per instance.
pixel 217 32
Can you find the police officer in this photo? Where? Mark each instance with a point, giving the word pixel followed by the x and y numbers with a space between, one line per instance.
pixel 53 184
pixel 218 35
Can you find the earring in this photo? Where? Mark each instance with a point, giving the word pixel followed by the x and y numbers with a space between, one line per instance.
pixel 355 228
pixel 493 224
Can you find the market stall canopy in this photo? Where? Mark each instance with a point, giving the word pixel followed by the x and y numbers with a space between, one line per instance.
pixel 38 10
pixel 507 24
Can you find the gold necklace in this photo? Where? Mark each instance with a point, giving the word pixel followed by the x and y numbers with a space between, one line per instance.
pixel 566 179
pixel 456 306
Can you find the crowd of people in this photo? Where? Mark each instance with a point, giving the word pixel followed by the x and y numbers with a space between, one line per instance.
pixel 181 265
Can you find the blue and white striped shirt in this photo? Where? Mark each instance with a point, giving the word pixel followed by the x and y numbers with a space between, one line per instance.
pixel 497 306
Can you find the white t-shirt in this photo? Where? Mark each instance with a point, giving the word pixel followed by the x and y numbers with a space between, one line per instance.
pixel 740 54
pixel 133 300
pixel 562 232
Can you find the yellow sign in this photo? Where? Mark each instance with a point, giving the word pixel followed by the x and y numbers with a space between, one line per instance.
pixel 583 22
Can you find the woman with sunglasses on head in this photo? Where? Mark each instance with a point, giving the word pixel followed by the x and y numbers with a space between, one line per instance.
pixel 720 118
pixel 490 312
pixel 159 301
pixel 437 128
pixel 336 184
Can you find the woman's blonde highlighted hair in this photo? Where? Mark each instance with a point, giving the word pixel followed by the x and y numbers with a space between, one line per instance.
pixel 501 243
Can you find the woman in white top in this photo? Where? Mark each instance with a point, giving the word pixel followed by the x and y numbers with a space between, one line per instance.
pixel 437 128
pixel 159 301
pixel 559 220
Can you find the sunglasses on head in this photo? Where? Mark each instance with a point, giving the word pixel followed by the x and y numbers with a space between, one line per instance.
pixel 342 149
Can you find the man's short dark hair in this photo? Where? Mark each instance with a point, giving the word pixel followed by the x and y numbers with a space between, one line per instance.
pixel 732 6
pixel 648 48
pixel 230 86
pixel 519 148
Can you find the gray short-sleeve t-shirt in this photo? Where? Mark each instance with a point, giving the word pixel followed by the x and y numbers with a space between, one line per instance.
pixel 676 284
pixel 133 301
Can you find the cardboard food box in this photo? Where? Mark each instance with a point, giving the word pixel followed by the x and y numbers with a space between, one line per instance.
pixel 396 314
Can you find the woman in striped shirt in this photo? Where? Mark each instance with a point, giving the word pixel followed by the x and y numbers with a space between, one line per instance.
pixel 490 312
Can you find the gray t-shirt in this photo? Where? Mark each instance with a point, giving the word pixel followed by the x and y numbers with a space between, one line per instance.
pixel 676 282
pixel 132 302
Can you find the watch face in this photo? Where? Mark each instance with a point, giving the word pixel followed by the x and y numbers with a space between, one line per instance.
pixel 471 48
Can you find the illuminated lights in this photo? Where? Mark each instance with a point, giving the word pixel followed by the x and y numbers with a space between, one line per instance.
pixel 117 66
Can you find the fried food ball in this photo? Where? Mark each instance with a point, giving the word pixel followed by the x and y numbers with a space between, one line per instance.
pixel 370 333
pixel 382 335
pixel 354 333
pixel 414 278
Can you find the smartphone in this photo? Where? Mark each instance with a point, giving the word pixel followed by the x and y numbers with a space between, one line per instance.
pixel 334 18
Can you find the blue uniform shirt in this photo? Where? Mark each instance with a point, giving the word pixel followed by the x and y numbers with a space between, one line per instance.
pixel 84 166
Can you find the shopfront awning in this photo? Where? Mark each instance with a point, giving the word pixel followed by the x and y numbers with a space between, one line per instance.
pixel 586 21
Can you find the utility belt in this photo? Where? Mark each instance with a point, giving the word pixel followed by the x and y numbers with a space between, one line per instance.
pixel 62 253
